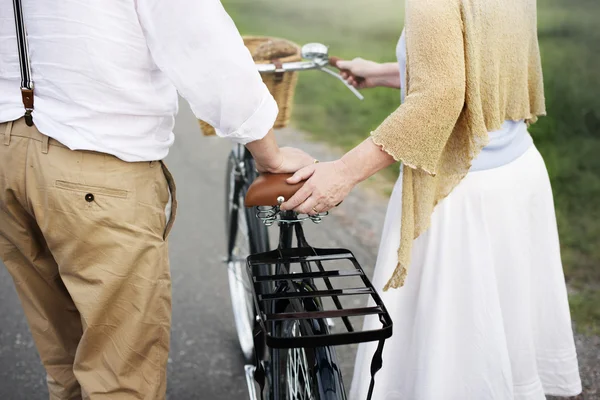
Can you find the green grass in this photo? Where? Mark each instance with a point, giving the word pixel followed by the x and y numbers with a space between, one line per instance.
pixel 585 310
pixel 569 138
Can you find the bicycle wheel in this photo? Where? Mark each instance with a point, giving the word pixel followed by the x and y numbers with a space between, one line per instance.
pixel 246 235
pixel 306 373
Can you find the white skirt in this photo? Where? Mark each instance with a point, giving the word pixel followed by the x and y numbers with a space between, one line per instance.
pixel 484 312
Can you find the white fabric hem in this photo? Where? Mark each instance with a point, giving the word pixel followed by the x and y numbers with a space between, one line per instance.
pixel 573 391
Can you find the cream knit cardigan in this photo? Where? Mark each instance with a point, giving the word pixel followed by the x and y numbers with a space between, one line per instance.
pixel 471 65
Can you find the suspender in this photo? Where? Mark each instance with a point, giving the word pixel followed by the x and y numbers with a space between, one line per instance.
pixel 26 82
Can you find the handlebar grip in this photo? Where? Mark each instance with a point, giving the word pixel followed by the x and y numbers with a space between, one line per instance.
pixel 333 61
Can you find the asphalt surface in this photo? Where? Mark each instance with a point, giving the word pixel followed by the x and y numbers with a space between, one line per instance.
pixel 205 362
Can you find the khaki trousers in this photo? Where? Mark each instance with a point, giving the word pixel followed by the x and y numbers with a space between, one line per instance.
pixel 84 236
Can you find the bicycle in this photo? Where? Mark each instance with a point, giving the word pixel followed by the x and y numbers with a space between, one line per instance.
pixel 278 297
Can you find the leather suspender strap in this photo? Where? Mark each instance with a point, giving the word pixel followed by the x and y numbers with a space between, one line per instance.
pixel 26 82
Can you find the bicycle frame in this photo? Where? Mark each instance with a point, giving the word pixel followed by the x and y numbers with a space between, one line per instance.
pixel 281 295
pixel 275 286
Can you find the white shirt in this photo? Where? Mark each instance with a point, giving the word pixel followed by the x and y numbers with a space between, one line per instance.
pixel 106 73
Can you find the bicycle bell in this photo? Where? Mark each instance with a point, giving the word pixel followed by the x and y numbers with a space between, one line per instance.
pixel 317 52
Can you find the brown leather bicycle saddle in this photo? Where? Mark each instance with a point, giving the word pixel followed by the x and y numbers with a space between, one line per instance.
pixel 265 190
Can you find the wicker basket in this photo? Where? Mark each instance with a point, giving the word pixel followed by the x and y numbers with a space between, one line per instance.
pixel 282 86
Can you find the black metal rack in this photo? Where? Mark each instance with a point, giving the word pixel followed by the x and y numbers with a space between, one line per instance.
pixel 284 285
pixel 296 294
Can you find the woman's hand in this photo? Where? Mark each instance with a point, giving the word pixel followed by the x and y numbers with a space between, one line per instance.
pixel 328 184
pixel 373 74
pixel 369 71
pixel 289 160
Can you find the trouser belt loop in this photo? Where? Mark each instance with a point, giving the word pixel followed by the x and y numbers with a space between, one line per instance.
pixel 45 140
pixel 7 133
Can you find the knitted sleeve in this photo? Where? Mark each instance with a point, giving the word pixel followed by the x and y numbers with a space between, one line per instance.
pixel 418 130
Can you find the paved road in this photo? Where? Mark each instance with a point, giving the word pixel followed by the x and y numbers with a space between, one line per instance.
pixel 205 362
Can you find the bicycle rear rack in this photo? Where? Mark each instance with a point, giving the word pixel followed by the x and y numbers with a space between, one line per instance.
pixel 304 290
pixel 316 260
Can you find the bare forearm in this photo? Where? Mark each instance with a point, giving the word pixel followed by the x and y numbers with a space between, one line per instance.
pixel 366 160
pixel 389 75
pixel 266 152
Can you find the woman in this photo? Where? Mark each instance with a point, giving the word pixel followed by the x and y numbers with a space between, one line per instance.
pixel 482 312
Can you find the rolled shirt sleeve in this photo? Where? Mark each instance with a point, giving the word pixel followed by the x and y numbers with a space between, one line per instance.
pixel 197 45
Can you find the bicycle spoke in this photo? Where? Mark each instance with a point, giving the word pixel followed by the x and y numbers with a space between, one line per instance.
pixel 299 382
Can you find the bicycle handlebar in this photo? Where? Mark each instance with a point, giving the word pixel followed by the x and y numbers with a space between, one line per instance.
pixel 290 67
pixel 319 59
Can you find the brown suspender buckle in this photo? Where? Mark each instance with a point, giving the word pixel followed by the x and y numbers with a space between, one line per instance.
pixel 27 96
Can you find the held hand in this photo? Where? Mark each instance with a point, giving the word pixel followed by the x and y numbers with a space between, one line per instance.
pixel 327 185
pixel 290 160
pixel 370 71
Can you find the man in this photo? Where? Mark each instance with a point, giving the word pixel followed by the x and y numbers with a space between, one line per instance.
pixel 86 205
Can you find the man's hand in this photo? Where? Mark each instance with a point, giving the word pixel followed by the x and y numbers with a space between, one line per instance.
pixel 270 158
pixel 289 160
